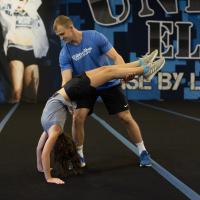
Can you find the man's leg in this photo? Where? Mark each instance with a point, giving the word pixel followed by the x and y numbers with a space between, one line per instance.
pixel 131 125
pixel 135 134
pixel 84 108
pixel 78 123
pixel 79 118
pixel 117 104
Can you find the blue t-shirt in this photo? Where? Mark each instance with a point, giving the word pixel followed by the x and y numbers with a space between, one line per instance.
pixel 87 55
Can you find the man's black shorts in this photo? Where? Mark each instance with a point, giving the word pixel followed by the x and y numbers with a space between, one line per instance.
pixel 113 98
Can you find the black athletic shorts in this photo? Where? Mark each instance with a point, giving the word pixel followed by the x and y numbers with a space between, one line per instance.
pixel 113 98
pixel 27 57
pixel 79 87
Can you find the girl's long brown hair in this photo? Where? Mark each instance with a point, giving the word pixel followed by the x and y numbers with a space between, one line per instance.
pixel 65 154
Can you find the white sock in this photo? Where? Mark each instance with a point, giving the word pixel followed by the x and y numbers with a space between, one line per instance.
pixel 80 151
pixel 140 147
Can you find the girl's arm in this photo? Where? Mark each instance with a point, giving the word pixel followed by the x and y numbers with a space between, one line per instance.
pixel 39 149
pixel 46 158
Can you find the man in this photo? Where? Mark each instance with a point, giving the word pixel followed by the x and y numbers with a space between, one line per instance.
pixel 86 50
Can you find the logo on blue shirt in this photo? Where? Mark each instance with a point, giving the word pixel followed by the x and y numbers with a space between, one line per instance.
pixel 82 54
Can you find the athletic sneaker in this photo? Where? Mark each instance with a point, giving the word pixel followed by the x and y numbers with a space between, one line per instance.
pixel 82 161
pixel 148 58
pixel 70 166
pixel 154 67
pixel 145 160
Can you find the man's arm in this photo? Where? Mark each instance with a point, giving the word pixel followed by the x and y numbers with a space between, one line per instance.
pixel 106 48
pixel 66 76
pixel 117 59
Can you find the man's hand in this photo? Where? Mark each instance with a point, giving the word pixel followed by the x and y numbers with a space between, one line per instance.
pixel 72 107
pixel 129 77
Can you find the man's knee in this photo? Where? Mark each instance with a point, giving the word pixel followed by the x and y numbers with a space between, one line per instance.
pixel 125 116
pixel 79 117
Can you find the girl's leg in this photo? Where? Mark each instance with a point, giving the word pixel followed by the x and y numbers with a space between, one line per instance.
pixel 16 73
pixel 31 82
pixel 107 73
pixel 141 62
pixel 124 65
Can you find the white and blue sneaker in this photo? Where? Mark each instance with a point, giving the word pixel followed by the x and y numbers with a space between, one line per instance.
pixel 154 67
pixel 82 161
pixel 70 167
pixel 148 58
pixel 145 159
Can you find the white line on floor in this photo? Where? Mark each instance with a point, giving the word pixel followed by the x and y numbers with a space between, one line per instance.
pixel 8 116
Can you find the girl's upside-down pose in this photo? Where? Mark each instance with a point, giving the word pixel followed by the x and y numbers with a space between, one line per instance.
pixel 54 113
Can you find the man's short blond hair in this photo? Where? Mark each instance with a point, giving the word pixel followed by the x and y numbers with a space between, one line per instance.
pixel 63 21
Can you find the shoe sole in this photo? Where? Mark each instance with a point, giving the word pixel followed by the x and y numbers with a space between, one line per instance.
pixel 83 165
pixel 152 75
pixel 146 165
pixel 154 57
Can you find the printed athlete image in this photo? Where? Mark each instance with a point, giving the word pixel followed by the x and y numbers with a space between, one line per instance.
pixel 25 40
